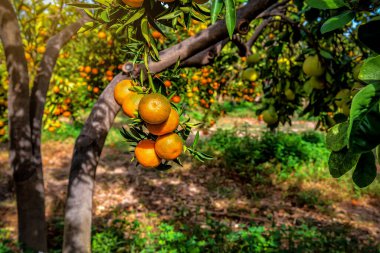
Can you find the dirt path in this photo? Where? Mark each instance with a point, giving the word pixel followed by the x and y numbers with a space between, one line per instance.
pixel 188 193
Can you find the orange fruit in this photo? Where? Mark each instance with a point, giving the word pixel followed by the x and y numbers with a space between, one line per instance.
pixel 154 108
pixel 146 154
pixel 131 104
pixel 51 129
pixel 66 114
pixel 67 101
pixel 95 71
pixel 102 35
pixel 41 49
pixel 56 89
pixel 134 3
pixel 167 83
pixel 2 131
pixel 87 69
pixel 176 99
pixel 167 126
pixel 169 146
pixel 156 34
pixel 96 90
pixel 122 90
pixel 109 73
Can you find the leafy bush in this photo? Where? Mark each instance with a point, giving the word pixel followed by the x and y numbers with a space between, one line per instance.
pixel 282 153
pixel 218 237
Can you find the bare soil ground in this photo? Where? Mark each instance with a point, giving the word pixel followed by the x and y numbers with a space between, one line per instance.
pixel 191 192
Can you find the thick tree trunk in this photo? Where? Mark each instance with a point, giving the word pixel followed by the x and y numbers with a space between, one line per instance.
pixel 29 183
pixel 78 213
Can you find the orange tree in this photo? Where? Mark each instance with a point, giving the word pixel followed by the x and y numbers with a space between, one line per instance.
pixel 300 56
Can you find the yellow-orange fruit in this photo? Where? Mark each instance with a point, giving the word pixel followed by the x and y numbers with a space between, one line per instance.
pixel 146 155
pixel 167 126
pixel 122 90
pixel 169 146
pixel 134 3
pixel 154 108
pixel 131 104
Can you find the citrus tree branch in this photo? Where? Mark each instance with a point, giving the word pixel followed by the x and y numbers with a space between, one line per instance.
pixel 42 80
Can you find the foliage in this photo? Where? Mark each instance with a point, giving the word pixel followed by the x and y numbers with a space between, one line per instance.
pixel 255 158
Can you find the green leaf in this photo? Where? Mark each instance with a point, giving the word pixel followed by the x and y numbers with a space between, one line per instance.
pixel 145 29
pixel 196 139
pixel 370 70
pixel 364 125
pixel 135 16
pixel 365 171
pixel 171 15
pixel 325 54
pixel 342 161
pixel 216 7
pixel 104 16
pixel 337 22
pixel 378 153
pixel 230 16
pixel 336 138
pixel 369 34
pixel 325 4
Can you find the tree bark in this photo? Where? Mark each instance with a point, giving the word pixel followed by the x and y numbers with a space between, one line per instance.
pixel 41 84
pixel 29 186
pixel 88 147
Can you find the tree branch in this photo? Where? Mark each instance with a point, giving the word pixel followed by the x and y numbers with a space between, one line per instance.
pixel 42 80
pixel 77 233
pixel 206 56
pixel 257 33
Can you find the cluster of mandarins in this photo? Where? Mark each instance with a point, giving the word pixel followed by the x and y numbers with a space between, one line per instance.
pixel 159 118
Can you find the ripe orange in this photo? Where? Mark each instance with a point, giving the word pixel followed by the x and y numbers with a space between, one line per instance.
pixel 167 126
pixel 169 146
pixel 134 3
pixel 87 69
pixel 167 83
pixel 95 71
pixel 109 73
pixel 122 90
pixel 41 49
pixel 146 154
pixel 67 101
pixel 51 129
pixel 131 104
pixel 66 114
pixel 2 131
pixel 154 108
pixel 56 89
pixel 156 34
pixel 176 99
pixel 96 90
pixel 102 35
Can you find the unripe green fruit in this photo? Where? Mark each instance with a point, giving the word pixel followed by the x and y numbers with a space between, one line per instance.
pixel 342 97
pixel 250 74
pixel 290 95
pixel 356 71
pixel 253 58
pixel 316 83
pixel 270 117
pixel 312 66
